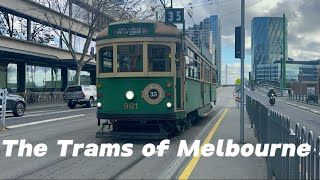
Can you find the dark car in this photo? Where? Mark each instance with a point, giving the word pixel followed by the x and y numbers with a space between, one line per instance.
pixel 16 104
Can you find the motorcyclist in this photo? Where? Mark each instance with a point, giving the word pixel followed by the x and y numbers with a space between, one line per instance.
pixel 271 91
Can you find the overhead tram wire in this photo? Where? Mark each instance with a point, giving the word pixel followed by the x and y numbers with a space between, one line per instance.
pixel 187 12
pixel 300 7
pixel 213 3
pixel 240 9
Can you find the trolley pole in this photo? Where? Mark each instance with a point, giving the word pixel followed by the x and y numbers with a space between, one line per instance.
pixel 284 58
pixel 242 71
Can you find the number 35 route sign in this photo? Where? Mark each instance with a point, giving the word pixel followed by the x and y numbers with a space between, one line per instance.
pixel 174 15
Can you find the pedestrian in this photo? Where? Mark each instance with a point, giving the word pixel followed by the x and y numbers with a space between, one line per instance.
pixel 290 93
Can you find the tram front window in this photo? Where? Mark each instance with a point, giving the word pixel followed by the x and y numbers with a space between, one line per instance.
pixel 106 59
pixel 159 57
pixel 130 58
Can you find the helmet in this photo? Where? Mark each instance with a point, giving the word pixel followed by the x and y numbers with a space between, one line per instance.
pixel 271 88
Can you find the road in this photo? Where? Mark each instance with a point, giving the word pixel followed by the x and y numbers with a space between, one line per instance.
pixel 309 120
pixel 50 125
pixel 80 125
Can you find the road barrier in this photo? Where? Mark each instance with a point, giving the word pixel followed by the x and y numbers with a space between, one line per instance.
pixel 272 127
pixel 303 97
pixel 3 102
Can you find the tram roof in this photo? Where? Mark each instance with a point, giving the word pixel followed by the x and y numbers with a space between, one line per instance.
pixel 150 28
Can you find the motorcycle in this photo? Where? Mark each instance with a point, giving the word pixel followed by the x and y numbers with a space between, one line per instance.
pixel 272 100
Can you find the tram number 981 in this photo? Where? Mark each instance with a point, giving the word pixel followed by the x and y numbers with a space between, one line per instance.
pixel 130 106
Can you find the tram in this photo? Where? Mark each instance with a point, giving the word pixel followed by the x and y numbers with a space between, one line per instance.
pixel 152 81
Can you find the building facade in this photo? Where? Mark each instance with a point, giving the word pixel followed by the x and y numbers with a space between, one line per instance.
pixel 300 75
pixel 33 55
pixel 208 33
pixel 266 46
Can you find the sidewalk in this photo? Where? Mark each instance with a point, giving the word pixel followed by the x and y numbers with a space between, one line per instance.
pixel 238 167
pixel 38 106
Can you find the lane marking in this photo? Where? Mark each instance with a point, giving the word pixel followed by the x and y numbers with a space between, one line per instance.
pixel 44 121
pixel 194 161
pixel 56 112
pixel 174 166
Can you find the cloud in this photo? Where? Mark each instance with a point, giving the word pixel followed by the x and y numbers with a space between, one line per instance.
pixel 233 72
pixel 302 16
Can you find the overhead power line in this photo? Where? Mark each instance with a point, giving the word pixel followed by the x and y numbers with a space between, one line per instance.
pixel 240 9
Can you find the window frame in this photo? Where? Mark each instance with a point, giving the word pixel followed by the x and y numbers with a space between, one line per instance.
pixel 145 72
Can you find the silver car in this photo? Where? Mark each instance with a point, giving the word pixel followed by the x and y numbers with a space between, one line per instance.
pixel 80 94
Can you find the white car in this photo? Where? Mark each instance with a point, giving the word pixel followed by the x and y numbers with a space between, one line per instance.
pixel 80 94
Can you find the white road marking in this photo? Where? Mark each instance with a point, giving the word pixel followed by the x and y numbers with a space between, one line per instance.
pixel 44 121
pixel 56 112
pixel 173 167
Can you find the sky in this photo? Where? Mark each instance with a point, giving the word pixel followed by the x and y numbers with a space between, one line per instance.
pixel 303 27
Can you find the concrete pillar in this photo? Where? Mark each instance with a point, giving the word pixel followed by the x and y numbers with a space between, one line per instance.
pixel 28 30
pixel 21 77
pixel 64 78
pixel 93 77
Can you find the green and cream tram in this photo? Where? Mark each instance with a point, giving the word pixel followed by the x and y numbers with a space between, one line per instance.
pixel 151 80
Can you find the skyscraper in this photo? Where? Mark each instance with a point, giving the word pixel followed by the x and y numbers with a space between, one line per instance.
pixel 266 47
pixel 208 34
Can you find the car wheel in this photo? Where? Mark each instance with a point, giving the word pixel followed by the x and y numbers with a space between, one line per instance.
pixel 73 105
pixel 19 109
pixel 90 103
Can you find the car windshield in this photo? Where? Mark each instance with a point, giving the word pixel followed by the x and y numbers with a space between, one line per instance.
pixel 73 88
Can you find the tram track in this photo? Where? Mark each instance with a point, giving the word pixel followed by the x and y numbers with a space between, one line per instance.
pixel 45 139
pixel 123 170
pixel 49 164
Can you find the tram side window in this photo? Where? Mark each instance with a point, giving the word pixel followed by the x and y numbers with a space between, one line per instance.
pixel 207 72
pixel 106 60
pixel 159 57
pixel 197 68
pixel 214 75
pixel 130 58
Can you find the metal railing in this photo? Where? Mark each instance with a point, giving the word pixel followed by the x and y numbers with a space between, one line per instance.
pixel 305 98
pixel 3 108
pixel 272 127
pixel 42 97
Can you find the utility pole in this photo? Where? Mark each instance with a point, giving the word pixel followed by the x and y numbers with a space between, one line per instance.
pixel 242 71
pixel 283 75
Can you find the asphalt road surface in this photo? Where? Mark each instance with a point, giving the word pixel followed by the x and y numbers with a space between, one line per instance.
pixel 307 119
pixel 50 125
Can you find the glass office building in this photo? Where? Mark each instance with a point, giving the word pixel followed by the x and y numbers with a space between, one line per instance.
pixel 266 46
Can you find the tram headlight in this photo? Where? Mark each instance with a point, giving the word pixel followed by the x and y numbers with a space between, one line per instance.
pixel 99 104
pixel 169 105
pixel 129 95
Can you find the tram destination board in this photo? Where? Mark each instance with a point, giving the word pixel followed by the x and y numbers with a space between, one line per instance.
pixel 134 30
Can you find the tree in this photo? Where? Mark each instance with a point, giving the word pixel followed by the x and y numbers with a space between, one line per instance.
pixel 94 15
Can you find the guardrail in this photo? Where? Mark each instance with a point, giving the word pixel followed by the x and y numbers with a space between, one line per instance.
pixel 305 98
pixel 42 97
pixel 3 102
pixel 272 127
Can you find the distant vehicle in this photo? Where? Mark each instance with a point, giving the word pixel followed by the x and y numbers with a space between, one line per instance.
pixel 272 100
pixel 80 94
pixel 15 104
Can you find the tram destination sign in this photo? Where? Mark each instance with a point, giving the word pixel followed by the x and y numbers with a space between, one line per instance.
pixel 131 30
